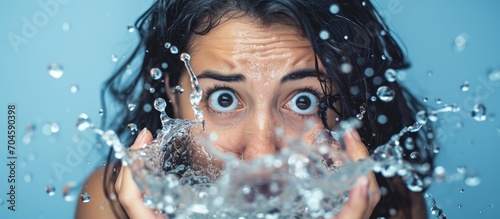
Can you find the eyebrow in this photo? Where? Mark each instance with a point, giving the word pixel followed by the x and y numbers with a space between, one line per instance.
pixel 293 76
pixel 220 77
pixel 299 74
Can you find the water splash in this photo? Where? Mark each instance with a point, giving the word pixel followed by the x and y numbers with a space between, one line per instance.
pixel 182 174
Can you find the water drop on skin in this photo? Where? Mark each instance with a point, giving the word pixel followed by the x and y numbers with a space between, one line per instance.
pixel 156 73
pixel 101 112
pixel 168 45
pixel 425 99
pixel 55 70
pixel 438 101
pixel 85 197
pixel 385 94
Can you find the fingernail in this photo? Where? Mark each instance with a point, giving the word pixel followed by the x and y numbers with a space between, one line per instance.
pixel 355 135
pixel 142 134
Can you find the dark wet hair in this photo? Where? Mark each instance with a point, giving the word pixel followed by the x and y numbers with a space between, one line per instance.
pixel 359 50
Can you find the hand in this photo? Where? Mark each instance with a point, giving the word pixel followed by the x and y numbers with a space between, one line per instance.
pixel 365 194
pixel 129 195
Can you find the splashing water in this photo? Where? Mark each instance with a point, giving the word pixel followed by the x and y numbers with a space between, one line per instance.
pixel 184 176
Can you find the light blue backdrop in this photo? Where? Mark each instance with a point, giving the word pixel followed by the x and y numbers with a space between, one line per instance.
pixel 82 36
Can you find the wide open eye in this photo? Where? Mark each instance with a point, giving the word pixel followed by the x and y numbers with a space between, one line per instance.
pixel 223 100
pixel 303 103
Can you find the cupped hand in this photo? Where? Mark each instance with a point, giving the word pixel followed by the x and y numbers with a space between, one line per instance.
pixel 365 195
pixel 129 195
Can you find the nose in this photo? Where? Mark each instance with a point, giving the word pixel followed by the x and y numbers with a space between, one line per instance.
pixel 260 136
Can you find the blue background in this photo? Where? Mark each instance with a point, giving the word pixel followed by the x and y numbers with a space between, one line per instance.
pixel 98 29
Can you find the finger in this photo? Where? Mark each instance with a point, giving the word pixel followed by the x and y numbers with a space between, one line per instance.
pixel 130 196
pixel 358 202
pixel 144 137
pixel 357 150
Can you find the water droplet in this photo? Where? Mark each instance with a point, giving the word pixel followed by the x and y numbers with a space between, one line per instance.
pixel 168 45
pixel 414 155
pixel 459 205
pixel 461 42
pixel 494 74
pixel 160 104
pixel 156 73
pixel 363 3
pixel 461 190
pixel 114 58
pixel 70 192
pixel 354 90
pixel 131 107
pixel 382 119
pixel 373 98
pixel 178 89
pixel 55 70
pixel 334 9
pixel 50 190
pixel 425 99
pixel 83 122
pixel 85 197
pixel 164 65
pixel 73 88
pixel 27 177
pixel 324 35
pixel 66 26
pixel 436 211
pixel 369 72
pixel 479 112
pixel 472 181
pixel 174 50
pixel 130 28
pixel 438 101
pixel 390 75
pixel 430 73
pixel 101 112
pixel 147 107
pixel 346 68
pixel 152 90
pixel 465 86
pixel 133 128
pixel 385 94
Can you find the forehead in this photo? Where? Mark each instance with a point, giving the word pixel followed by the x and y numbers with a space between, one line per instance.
pixel 243 43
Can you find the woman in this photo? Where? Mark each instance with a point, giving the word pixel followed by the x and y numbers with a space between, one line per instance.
pixel 265 64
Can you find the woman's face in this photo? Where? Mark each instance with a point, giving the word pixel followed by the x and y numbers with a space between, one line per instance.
pixel 255 79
